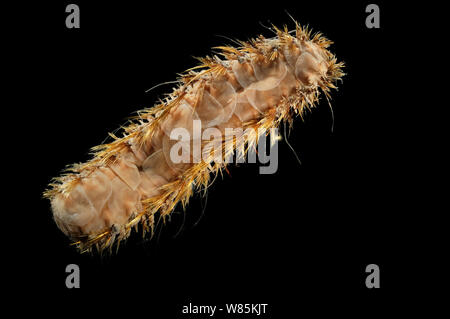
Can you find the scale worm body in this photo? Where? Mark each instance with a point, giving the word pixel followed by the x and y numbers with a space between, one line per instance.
pixel 127 182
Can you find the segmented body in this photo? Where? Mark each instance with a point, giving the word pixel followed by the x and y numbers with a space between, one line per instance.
pixel 129 181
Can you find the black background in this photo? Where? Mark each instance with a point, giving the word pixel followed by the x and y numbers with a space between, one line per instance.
pixel 298 240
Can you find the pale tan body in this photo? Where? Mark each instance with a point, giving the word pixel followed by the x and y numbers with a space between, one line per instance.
pixel 110 195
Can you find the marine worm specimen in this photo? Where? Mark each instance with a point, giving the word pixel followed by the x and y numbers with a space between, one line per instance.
pixel 133 180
